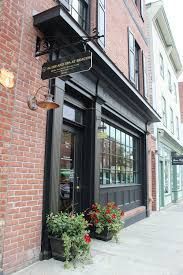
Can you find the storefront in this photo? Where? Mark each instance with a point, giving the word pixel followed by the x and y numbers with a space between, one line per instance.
pixel 96 141
pixel 170 176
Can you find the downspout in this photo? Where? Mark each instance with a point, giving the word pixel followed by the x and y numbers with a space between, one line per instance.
pixel 146 176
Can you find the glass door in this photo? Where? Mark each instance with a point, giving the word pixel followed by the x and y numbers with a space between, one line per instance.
pixel 70 167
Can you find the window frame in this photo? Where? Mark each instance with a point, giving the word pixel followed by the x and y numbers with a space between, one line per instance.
pixel 169 81
pixel 162 72
pixel 100 5
pixel 164 111
pixel 82 13
pixel 171 121
pixel 116 155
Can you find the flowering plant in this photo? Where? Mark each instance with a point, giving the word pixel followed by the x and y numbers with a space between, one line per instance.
pixel 71 229
pixel 106 217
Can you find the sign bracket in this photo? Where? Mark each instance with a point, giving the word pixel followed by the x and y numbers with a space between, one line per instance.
pixel 50 44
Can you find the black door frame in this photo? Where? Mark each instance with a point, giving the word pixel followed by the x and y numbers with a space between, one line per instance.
pixel 78 161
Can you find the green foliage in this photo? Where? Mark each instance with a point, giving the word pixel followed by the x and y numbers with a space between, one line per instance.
pixel 71 228
pixel 107 217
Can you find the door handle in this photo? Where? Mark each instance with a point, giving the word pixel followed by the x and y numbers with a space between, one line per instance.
pixel 77 183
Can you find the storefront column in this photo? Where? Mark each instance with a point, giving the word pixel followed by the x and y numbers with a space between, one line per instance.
pixel 98 115
pixel 56 141
pixel 52 163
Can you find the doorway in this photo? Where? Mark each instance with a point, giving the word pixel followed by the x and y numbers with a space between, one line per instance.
pixel 70 179
pixel 161 182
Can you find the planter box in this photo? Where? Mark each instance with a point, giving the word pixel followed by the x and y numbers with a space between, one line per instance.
pixel 57 248
pixel 104 236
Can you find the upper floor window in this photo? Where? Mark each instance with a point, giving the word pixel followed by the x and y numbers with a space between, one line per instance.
pixel 101 22
pixel 169 81
pixel 177 127
pixel 133 60
pixel 171 121
pixel 175 92
pixel 78 10
pixel 140 6
pixel 161 66
pixel 164 114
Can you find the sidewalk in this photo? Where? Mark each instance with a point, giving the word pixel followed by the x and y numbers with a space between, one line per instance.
pixel 153 246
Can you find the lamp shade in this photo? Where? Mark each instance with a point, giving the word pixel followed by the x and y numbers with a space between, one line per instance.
pixel 48 103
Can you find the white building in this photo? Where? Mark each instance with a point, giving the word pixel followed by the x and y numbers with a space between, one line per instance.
pixel 164 67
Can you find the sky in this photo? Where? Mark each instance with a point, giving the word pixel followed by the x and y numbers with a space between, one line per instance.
pixel 174 12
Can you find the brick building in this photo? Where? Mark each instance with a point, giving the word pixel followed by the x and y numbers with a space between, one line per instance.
pixel 41 151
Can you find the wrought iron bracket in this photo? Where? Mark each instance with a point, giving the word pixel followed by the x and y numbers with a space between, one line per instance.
pixel 48 45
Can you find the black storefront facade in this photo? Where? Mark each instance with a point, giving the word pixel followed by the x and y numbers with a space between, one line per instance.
pixel 96 140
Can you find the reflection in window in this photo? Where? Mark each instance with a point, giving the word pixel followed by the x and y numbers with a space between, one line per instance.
pixel 119 157
pixel 72 114
pixel 79 12
pixel 167 177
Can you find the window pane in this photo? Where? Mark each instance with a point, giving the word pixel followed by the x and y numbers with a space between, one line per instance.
pixel 132 66
pixel 119 158
pixel 101 23
pixel 72 114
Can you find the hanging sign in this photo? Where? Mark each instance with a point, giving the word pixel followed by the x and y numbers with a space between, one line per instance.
pixel 67 65
pixel 177 160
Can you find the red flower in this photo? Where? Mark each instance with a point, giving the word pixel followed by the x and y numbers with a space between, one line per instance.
pixel 87 238
pixel 109 221
pixel 113 216
pixel 96 220
pixel 108 211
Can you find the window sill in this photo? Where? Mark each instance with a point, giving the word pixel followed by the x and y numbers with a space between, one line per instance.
pixel 118 185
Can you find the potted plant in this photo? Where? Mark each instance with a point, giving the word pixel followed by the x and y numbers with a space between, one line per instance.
pixel 105 221
pixel 69 237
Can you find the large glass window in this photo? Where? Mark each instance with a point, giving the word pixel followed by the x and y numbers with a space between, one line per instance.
pixel 119 157
pixel 79 12
pixel 167 176
pixel 72 114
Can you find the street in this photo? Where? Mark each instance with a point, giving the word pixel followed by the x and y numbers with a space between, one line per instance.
pixel 153 246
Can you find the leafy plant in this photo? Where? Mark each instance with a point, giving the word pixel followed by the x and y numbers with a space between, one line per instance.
pixel 106 217
pixel 72 229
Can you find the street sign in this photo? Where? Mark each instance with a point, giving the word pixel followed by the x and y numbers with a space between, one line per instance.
pixel 67 65
pixel 177 160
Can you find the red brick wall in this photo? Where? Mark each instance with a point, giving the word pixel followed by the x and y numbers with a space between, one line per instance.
pixel 22 131
pixel 117 23
pixel 152 172
pixel 22 136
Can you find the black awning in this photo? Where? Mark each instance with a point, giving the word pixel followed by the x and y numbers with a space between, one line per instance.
pixel 57 22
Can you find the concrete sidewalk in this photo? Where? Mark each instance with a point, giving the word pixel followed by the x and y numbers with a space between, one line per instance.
pixel 153 246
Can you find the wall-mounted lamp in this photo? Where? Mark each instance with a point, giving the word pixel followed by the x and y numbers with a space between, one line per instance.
pixel 47 104
pixel 6 78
